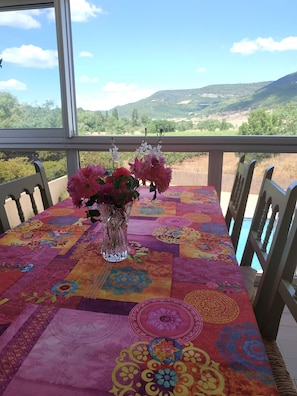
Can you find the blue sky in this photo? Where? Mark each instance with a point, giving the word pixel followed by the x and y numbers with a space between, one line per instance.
pixel 125 50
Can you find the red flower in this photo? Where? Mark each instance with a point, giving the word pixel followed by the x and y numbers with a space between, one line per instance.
pixel 121 172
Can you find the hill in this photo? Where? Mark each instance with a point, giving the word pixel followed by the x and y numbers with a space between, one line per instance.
pixel 214 99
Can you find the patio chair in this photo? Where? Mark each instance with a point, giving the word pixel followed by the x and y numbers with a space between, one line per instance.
pixel 14 189
pixel 282 292
pixel 238 199
pixel 268 232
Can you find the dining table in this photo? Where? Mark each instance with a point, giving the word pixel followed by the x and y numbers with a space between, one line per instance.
pixel 173 318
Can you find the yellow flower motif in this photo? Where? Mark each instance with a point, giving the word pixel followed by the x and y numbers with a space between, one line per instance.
pixel 128 372
pixel 207 382
pixel 192 356
pixel 141 353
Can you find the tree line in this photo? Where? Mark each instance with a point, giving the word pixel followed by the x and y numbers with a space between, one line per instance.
pixel 48 115
pixel 280 121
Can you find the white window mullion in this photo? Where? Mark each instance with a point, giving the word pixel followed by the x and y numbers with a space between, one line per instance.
pixel 64 37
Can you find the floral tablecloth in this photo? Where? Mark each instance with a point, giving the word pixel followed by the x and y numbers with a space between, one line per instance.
pixel 74 324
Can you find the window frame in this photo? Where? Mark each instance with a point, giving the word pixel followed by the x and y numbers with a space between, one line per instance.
pixel 67 139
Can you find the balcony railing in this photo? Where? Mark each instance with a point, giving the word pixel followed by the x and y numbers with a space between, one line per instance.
pixel 213 145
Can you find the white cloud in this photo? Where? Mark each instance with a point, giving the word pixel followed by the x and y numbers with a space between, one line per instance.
pixel 31 56
pixel 20 19
pixel 247 47
pixel 87 79
pixel 85 54
pixel 82 10
pixel 12 84
pixel 112 95
pixel 201 70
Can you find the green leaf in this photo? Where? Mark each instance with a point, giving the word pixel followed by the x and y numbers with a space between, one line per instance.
pixel 40 300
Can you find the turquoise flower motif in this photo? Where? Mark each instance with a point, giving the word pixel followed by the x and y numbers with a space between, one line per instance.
pixel 64 288
pixel 126 280
pixel 166 378
pixel 151 210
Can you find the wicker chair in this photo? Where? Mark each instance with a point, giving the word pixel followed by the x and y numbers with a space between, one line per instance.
pixel 280 373
pixel 238 199
pixel 27 184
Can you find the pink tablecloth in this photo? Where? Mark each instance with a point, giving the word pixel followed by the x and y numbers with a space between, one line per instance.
pixel 73 324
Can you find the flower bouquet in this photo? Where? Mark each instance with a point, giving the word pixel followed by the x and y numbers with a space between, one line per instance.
pixel 108 194
pixel 96 184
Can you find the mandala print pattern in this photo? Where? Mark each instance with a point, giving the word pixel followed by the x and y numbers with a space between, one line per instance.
pixel 214 307
pixel 165 317
pixel 136 373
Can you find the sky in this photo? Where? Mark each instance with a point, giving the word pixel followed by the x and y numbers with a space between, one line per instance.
pixel 125 50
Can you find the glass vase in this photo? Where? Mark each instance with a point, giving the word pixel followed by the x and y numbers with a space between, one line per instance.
pixel 114 226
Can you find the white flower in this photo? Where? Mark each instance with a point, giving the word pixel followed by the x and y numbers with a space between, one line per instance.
pixel 144 149
pixel 115 155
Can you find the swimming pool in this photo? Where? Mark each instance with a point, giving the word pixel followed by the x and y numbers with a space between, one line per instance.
pixel 241 244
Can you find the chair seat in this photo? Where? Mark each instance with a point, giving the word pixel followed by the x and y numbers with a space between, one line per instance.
pixel 249 276
pixel 279 370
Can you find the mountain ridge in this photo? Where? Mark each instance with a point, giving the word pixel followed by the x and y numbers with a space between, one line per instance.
pixel 214 99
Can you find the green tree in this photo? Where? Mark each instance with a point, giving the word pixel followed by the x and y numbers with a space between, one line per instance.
pixel 184 125
pixel 134 118
pixel 11 112
pixel 225 125
pixel 260 122
pixel 14 168
pixel 115 113
pixel 286 119
pixel 166 125
pixel 144 119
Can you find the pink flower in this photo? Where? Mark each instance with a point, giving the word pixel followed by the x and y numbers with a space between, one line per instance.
pixel 73 188
pixel 84 184
pixel 152 168
pixel 162 179
pixel 136 168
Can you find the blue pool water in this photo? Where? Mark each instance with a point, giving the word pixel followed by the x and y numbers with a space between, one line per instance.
pixel 241 244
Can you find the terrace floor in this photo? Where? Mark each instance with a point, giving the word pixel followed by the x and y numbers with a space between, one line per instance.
pixel 287 342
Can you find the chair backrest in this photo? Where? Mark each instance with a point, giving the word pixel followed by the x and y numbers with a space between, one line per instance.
pixel 282 291
pixel 238 199
pixel 268 235
pixel 14 189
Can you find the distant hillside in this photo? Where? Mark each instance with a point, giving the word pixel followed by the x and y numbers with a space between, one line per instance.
pixel 214 99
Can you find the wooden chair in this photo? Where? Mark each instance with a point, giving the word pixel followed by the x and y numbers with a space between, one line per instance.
pixel 27 184
pixel 238 199
pixel 268 231
pixel 282 293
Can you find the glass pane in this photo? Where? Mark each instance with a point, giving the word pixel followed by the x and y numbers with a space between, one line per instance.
pixel 29 75
pixel 137 63
pixel 188 169
pixel 16 164
pixel 285 172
